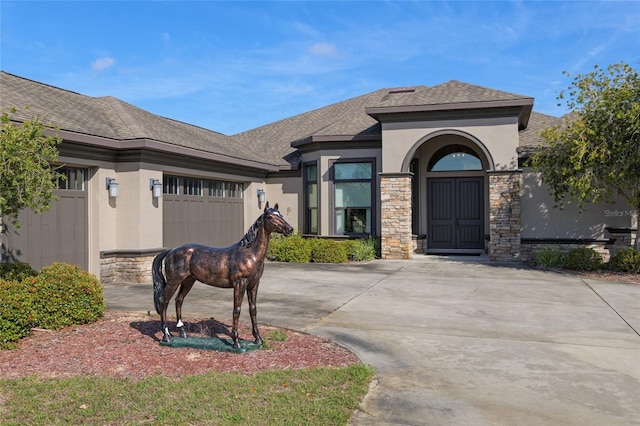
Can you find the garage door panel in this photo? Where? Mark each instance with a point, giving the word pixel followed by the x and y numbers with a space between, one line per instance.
pixel 59 234
pixel 211 221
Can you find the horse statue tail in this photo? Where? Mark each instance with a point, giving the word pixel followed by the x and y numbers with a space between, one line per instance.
pixel 159 282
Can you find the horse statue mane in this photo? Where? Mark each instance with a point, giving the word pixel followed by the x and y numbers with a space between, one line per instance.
pixel 250 237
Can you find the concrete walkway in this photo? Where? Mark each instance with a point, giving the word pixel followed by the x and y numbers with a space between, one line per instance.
pixel 456 341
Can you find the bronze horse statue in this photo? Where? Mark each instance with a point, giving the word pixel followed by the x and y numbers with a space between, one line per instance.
pixel 238 266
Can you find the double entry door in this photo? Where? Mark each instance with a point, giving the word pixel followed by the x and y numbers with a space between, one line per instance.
pixel 455 213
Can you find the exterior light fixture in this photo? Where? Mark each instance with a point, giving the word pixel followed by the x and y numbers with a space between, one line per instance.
pixel 262 196
pixel 156 187
pixel 112 186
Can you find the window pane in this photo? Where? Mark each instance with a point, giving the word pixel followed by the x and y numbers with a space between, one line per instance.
pixel 313 221
pixel 75 179
pixel 457 161
pixel 353 221
pixel 358 221
pixel 340 221
pixel 353 194
pixel 170 184
pixel 235 189
pixel 216 188
pixel 312 173
pixel 192 186
pixel 312 196
pixel 352 171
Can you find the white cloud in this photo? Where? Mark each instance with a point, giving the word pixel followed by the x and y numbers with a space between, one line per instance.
pixel 103 63
pixel 323 49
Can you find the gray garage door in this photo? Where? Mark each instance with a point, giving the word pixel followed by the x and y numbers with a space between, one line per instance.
pixel 58 235
pixel 202 211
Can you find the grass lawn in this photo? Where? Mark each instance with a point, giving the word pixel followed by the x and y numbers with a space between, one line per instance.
pixel 325 396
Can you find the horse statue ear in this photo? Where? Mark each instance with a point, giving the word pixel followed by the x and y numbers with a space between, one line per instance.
pixel 276 206
pixel 266 207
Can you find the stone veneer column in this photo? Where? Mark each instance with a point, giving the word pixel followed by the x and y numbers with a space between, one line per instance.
pixel 504 216
pixel 395 212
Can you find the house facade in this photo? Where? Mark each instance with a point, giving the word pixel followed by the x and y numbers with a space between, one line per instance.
pixel 437 169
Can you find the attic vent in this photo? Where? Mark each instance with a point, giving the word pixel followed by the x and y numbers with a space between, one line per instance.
pixel 391 92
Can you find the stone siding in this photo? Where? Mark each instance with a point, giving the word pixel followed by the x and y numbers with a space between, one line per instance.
pixel 504 216
pixel 126 269
pixel 395 211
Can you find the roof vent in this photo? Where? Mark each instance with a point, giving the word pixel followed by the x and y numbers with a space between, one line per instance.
pixel 391 92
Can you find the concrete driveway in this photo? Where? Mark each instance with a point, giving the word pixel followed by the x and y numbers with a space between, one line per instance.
pixel 457 341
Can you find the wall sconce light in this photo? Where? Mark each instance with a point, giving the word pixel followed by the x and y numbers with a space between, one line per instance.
pixel 112 186
pixel 156 187
pixel 262 196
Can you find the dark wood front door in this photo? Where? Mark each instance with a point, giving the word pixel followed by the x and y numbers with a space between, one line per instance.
pixel 455 213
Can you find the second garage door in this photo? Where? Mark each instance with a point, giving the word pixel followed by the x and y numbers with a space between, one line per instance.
pixel 203 211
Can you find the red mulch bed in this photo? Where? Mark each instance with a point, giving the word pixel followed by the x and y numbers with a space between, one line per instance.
pixel 128 345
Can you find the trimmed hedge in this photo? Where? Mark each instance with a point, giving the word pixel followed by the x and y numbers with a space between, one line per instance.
pixel 16 312
pixel 67 295
pixel 16 271
pixel 289 249
pixel 297 249
pixel 58 296
pixel 327 251
pixel 626 260
pixel 583 259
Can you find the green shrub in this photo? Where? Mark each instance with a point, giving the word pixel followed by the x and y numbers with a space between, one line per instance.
pixel 327 251
pixel 16 311
pixel 626 260
pixel 16 271
pixel 289 249
pixel 583 259
pixel 549 257
pixel 66 295
pixel 362 249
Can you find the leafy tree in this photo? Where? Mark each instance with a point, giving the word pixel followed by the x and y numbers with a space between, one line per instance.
pixel 594 155
pixel 27 177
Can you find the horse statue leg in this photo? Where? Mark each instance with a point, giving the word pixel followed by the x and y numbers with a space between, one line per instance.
pixel 185 287
pixel 239 288
pixel 164 304
pixel 252 295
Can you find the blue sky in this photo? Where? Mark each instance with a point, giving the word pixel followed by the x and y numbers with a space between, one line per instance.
pixel 233 66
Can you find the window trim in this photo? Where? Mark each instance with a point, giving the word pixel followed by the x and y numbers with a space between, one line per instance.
pixel 305 203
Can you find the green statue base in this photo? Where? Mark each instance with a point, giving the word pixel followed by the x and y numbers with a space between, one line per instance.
pixel 211 343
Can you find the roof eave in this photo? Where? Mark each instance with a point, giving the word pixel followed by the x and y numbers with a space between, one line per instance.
pixel 382 112
pixel 153 145
pixel 316 139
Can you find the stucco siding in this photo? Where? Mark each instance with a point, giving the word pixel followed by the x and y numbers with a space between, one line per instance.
pixel 498 136
pixel 286 192
pixel 541 220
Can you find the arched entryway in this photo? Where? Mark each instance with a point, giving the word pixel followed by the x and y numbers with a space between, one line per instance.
pixel 455 200
pixel 450 208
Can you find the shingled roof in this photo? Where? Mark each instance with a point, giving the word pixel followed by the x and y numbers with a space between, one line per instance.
pixel 108 117
pixel 274 144
pixel 353 119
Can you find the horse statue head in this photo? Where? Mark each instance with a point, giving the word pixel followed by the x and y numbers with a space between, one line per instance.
pixel 275 222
